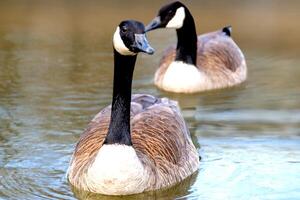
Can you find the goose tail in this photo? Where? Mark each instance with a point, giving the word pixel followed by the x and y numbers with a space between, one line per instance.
pixel 227 30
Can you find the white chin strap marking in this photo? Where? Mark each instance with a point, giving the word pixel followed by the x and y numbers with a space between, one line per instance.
pixel 119 44
pixel 177 20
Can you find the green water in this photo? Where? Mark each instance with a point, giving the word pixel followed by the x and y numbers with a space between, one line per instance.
pixel 56 74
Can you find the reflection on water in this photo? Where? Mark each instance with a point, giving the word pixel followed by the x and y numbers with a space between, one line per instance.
pixel 56 74
pixel 180 190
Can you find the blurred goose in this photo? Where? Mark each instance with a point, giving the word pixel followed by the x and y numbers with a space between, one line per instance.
pixel 206 62
pixel 138 143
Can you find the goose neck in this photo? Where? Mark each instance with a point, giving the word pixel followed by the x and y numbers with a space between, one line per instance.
pixel 186 50
pixel 119 127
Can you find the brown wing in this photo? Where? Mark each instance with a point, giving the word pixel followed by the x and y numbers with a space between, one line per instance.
pixel 217 50
pixel 160 134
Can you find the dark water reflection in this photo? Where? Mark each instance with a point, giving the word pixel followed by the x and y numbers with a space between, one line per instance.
pixel 56 74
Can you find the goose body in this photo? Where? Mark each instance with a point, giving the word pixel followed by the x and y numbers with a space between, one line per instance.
pixel 138 143
pixel 220 64
pixel 162 153
pixel 197 63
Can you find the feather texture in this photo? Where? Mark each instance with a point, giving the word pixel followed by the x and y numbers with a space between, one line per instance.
pixel 160 138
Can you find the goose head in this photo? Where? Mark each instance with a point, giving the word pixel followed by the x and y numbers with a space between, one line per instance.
pixel 130 39
pixel 169 16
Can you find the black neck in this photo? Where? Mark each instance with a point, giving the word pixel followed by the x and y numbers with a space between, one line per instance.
pixel 119 127
pixel 187 40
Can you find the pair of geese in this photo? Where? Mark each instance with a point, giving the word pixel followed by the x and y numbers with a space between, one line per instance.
pixel 141 143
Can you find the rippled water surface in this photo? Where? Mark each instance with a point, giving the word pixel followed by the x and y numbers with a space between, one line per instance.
pixel 56 74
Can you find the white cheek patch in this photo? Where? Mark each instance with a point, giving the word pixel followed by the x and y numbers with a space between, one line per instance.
pixel 177 20
pixel 119 44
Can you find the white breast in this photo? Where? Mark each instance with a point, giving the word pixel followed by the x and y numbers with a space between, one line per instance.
pixel 117 171
pixel 182 77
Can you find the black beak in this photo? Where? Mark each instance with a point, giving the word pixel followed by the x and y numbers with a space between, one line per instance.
pixel 154 24
pixel 141 44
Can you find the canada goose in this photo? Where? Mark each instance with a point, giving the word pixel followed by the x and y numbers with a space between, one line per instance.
pixel 206 62
pixel 138 143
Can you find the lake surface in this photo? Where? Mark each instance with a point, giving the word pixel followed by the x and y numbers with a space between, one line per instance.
pixel 56 74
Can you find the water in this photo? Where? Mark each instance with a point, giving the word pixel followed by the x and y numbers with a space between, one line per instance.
pixel 56 74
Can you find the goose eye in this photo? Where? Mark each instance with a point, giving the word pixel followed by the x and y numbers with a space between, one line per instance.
pixel 124 29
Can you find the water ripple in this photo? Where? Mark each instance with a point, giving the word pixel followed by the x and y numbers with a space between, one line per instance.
pixel 16 183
